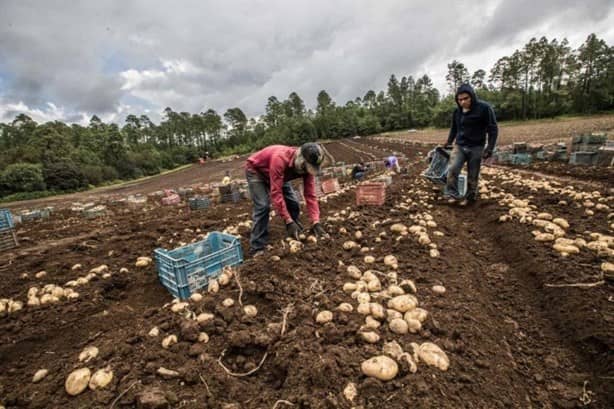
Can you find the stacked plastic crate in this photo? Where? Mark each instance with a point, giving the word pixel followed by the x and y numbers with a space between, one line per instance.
pixel 8 240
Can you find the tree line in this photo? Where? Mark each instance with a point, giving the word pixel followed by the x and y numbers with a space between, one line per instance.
pixel 545 78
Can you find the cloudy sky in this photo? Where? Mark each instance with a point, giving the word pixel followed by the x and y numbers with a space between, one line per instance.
pixel 70 59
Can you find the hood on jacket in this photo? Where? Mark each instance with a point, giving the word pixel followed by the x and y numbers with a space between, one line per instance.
pixel 468 89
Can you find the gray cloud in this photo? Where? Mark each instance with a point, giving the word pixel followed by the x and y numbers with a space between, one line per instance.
pixel 115 57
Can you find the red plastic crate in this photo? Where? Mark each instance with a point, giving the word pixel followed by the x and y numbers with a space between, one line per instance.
pixel 171 200
pixel 330 185
pixel 371 193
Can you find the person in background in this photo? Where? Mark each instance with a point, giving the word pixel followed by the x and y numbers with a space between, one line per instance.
pixel 268 173
pixel 226 180
pixel 392 163
pixel 471 121
pixel 358 171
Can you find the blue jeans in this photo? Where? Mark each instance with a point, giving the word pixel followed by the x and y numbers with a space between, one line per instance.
pixel 260 192
pixel 359 175
pixel 461 154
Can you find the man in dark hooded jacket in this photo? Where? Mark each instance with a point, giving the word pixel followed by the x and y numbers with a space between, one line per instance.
pixel 471 121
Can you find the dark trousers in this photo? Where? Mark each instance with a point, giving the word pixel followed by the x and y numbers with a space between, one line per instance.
pixel 260 192
pixel 461 154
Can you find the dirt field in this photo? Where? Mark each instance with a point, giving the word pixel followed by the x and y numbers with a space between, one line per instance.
pixel 514 337
pixel 542 131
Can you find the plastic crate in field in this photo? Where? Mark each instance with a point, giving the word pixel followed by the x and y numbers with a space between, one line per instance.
pixel 371 193
pixel 330 185
pixel 6 219
pixel 171 199
pixel 189 268
pixel 438 168
pixel 8 240
pixel 199 202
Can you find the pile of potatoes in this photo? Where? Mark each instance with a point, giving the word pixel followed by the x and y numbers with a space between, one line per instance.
pixel 50 294
pixel 394 304
pixel 385 367
pixel 9 306
pixel 79 379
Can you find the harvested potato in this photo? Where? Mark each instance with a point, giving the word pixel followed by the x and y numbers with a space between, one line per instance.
pixel 377 311
pixel 369 276
pixel 100 269
pixel 358 235
pixel 196 297
pixel 418 314
pixel 349 245
pixel 370 337
pixel 607 268
pixel 154 332
pixel 398 326
pixel 544 237
pixel 434 253
pixel 39 375
pixel 398 228
pixel 167 373
pixel 439 289
pixel 228 302
pixel 403 303
pixel 101 378
pixel 354 272
pixel 371 322
pixel 250 310
pixel 143 261
pixel 345 307
pixel 380 367
pixel 413 325
pixel 33 302
pixel 324 316
pixel 204 318
pixel 350 392
pixel 349 287
pixel 168 341
pixel 179 306
pixel 203 337
pixel 432 355
pixel 392 349
pixel 567 249
pixel 364 308
pixel 369 259
pixel 395 290
pixel 391 261
pixel 561 222
pixel 363 298
pixel 374 285
pixel 392 314
pixel 77 381
pixel 88 354
pixel 213 286
pixel 223 279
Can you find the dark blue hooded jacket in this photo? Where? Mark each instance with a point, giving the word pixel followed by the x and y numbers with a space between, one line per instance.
pixel 470 128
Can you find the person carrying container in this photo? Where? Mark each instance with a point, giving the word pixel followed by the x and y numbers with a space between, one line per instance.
pixel 471 121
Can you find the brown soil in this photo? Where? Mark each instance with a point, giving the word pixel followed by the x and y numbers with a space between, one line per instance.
pixel 512 341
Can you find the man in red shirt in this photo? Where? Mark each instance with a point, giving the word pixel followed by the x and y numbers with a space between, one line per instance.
pixel 268 173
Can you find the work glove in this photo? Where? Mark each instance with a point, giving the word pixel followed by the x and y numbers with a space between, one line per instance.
pixel 293 230
pixel 487 154
pixel 319 231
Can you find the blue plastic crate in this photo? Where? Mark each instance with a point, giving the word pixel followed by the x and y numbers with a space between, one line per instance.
pixel 189 268
pixel 199 202
pixel 6 219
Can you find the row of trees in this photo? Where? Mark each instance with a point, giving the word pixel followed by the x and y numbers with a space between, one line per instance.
pixel 543 79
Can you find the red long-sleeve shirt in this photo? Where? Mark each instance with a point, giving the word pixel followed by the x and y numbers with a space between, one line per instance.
pixel 275 163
